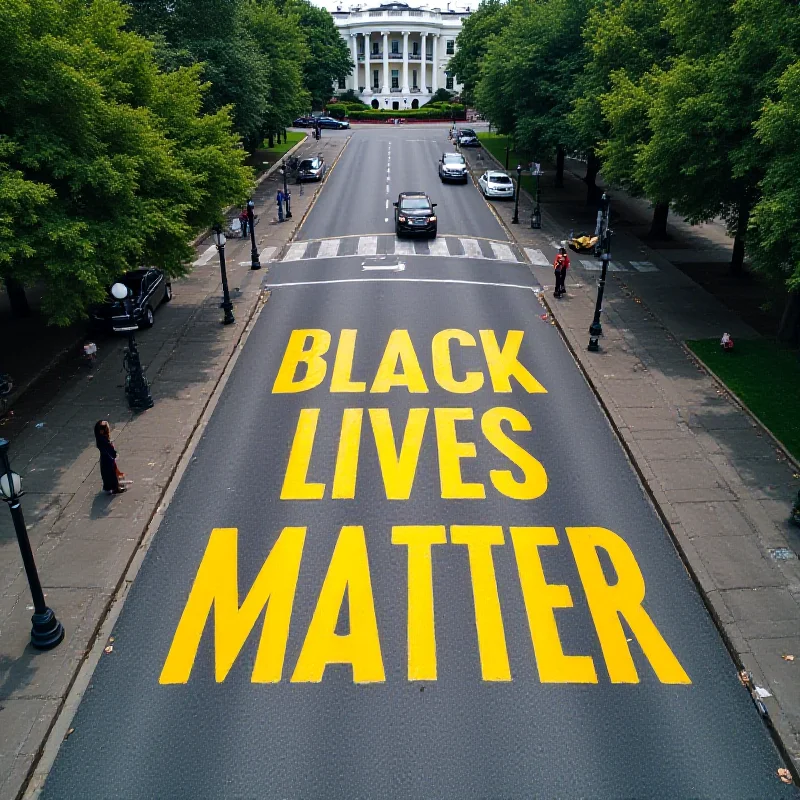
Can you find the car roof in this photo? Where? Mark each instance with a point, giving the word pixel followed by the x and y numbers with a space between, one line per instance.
pixel 466 130
pixel 453 155
pixel 414 194
pixel 495 173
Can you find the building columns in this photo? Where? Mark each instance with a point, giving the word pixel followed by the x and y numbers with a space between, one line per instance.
pixel 423 37
pixel 435 82
pixel 354 53
pixel 386 84
pixel 367 65
pixel 406 90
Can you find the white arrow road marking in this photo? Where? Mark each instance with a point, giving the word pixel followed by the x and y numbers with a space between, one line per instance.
pixel 206 257
pixel 537 257
pixel 387 268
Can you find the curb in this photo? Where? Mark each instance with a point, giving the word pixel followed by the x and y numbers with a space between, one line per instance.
pixel 261 178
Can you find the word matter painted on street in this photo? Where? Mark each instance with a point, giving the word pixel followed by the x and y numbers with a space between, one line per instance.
pixel 347 589
pixel 273 592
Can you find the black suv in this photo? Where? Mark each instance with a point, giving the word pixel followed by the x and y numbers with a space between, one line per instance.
pixel 413 213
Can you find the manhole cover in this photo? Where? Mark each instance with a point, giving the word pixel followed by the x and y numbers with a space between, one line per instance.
pixel 781 553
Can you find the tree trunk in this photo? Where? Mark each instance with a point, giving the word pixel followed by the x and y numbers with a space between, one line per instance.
pixel 560 166
pixel 590 179
pixel 737 260
pixel 658 226
pixel 789 327
pixel 17 298
pixel 271 140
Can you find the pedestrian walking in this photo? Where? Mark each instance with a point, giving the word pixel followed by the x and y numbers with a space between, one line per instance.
pixel 243 222
pixel 560 266
pixel 108 459
pixel 280 198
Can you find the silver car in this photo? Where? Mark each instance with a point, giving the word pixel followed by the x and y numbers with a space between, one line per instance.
pixel 311 169
pixel 496 184
pixel 453 167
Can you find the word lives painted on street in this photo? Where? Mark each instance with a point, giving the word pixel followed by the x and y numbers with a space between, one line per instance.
pixel 616 608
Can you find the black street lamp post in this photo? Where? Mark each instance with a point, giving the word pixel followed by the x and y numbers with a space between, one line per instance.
pixel 536 217
pixel 46 631
pixel 515 221
pixel 286 193
pixel 227 306
pixel 596 328
pixel 136 386
pixel 506 156
pixel 254 262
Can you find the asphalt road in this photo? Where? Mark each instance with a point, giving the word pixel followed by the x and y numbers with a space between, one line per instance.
pixel 443 604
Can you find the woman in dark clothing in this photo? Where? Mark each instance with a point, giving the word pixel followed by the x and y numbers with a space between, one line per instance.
pixel 108 458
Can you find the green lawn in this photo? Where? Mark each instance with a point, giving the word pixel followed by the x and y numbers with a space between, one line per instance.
pixel 270 155
pixel 496 143
pixel 766 377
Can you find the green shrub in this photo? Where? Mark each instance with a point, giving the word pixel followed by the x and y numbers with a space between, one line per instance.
pixel 420 113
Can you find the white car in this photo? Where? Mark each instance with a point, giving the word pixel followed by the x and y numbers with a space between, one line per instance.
pixel 496 184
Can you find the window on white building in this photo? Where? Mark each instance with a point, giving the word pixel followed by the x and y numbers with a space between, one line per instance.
pixel 341 83
pixel 451 46
pixel 449 83
pixel 395 79
pixel 374 48
pixel 415 48
pixel 375 83
pixel 414 79
pixel 395 46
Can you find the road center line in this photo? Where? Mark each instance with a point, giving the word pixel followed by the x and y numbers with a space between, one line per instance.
pixel 533 289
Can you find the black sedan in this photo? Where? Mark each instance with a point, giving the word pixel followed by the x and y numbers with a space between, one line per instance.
pixel 304 122
pixel 148 287
pixel 468 138
pixel 330 122
pixel 413 214
pixel 311 169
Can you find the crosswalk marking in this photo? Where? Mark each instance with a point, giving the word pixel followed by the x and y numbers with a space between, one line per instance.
pixel 328 248
pixel 404 248
pixel 471 248
pixel 613 266
pixel 206 257
pixel 438 247
pixel 591 264
pixel 502 252
pixel 644 266
pixel 367 245
pixel 267 253
pixel 537 257
pixel 296 251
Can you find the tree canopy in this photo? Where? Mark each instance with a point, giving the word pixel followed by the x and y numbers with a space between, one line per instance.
pixel 105 161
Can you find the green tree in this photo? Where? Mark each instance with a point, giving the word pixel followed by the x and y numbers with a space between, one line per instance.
pixel 773 243
pixel 327 56
pixel 473 41
pixel 702 152
pixel 105 162
pixel 528 75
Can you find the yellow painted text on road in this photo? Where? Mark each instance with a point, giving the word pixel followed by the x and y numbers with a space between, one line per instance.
pixel 547 605
pixel 304 365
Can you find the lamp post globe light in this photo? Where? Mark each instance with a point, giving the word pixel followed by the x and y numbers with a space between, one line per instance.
pixel 515 221
pixel 46 631
pixel 596 328
pixel 286 195
pixel 136 386
pixel 227 306
pixel 254 262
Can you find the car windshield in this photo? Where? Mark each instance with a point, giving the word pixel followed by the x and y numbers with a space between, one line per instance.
pixel 309 163
pixel 467 132
pixel 133 281
pixel 499 179
pixel 453 158
pixel 414 203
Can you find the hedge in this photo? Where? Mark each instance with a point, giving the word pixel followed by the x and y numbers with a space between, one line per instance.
pixel 417 113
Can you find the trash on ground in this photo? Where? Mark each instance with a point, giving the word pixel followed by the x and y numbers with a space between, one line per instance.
pixel 543 316
pixel 108 648
pixel 761 692
pixel 40 424
pixel 785 775
pixel 787 657
pixel 69 733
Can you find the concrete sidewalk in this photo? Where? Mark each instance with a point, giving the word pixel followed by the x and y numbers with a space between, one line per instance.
pixel 722 485
pixel 83 539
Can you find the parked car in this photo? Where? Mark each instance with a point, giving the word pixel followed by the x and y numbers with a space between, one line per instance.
pixel 149 287
pixel 468 138
pixel 330 122
pixel 414 213
pixel 496 184
pixel 311 169
pixel 453 167
pixel 304 122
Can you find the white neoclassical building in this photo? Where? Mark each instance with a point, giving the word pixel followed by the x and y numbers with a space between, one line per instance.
pixel 400 52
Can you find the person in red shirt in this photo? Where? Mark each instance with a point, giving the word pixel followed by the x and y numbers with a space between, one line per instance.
pixel 561 265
